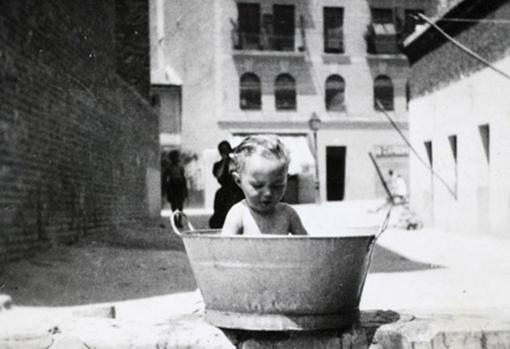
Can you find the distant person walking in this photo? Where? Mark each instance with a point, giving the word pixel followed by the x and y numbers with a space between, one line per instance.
pixel 399 190
pixel 392 177
pixel 176 188
pixel 229 193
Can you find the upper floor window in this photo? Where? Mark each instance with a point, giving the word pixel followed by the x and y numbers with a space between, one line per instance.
pixel 390 27
pixel 268 31
pixel 285 92
pixel 335 93
pixel 383 16
pixel 333 30
pixel 250 92
pixel 382 34
pixel 283 29
pixel 383 93
pixel 248 30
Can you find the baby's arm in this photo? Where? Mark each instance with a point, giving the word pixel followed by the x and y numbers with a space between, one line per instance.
pixel 296 226
pixel 233 222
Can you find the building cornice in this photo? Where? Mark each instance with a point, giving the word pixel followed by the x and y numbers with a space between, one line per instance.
pixel 302 125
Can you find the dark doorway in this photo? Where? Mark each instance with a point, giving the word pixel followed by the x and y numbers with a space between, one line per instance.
pixel 335 173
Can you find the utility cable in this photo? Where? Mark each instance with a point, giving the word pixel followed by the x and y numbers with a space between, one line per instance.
pixel 474 20
pixel 464 48
pixel 415 152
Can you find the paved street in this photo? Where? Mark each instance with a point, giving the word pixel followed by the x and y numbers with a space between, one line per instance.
pixel 427 269
pixel 415 272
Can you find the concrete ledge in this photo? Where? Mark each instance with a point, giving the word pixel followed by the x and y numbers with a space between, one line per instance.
pixel 376 330
pixel 476 330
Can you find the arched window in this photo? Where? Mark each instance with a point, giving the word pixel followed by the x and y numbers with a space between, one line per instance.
pixel 250 94
pixel 335 93
pixel 285 92
pixel 383 92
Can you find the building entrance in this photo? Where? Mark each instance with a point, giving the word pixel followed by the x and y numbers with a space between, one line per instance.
pixel 335 173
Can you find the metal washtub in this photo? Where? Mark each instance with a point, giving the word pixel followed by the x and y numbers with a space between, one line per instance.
pixel 280 282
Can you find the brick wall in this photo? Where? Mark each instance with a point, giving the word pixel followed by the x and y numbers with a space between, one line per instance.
pixel 132 43
pixel 76 140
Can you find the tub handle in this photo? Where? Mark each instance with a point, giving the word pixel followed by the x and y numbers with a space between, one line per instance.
pixel 179 215
pixel 384 224
pixel 382 229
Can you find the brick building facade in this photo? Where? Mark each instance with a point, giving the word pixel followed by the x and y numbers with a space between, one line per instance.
pixel 267 66
pixel 78 141
pixel 459 120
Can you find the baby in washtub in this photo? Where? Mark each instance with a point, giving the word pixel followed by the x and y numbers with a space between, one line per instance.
pixel 260 169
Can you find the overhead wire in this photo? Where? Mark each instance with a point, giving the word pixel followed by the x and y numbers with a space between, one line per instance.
pixel 475 20
pixel 415 152
pixel 463 47
pixel 468 51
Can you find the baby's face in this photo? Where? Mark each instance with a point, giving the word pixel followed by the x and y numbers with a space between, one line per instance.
pixel 263 182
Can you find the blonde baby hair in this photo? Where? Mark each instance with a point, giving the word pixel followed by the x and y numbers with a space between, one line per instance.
pixel 268 146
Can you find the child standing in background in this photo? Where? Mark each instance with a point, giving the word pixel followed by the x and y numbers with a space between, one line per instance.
pixel 176 187
pixel 260 170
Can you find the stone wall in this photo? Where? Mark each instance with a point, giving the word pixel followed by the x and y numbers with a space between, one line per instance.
pixel 78 143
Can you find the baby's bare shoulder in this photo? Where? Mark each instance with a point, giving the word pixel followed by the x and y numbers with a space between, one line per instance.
pixel 234 220
pixel 286 210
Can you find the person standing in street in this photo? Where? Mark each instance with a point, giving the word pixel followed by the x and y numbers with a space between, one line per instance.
pixel 399 190
pixel 229 193
pixel 176 188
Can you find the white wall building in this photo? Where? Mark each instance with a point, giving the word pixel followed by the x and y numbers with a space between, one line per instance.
pixel 460 121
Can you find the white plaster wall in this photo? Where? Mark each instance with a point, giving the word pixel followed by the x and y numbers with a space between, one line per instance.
pixel 483 189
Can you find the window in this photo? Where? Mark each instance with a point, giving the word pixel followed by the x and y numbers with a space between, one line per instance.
pixel 383 93
pixel 249 26
pixel 428 151
pixel 408 94
pixel 333 29
pixel 283 27
pixel 250 92
pixel 452 139
pixel 335 92
pixel 382 16
pixel 485 138
pixel 285 92
pixel 453 146
pixel 382 35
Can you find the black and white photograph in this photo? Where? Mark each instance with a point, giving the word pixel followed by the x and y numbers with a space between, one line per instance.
pixel 249 174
